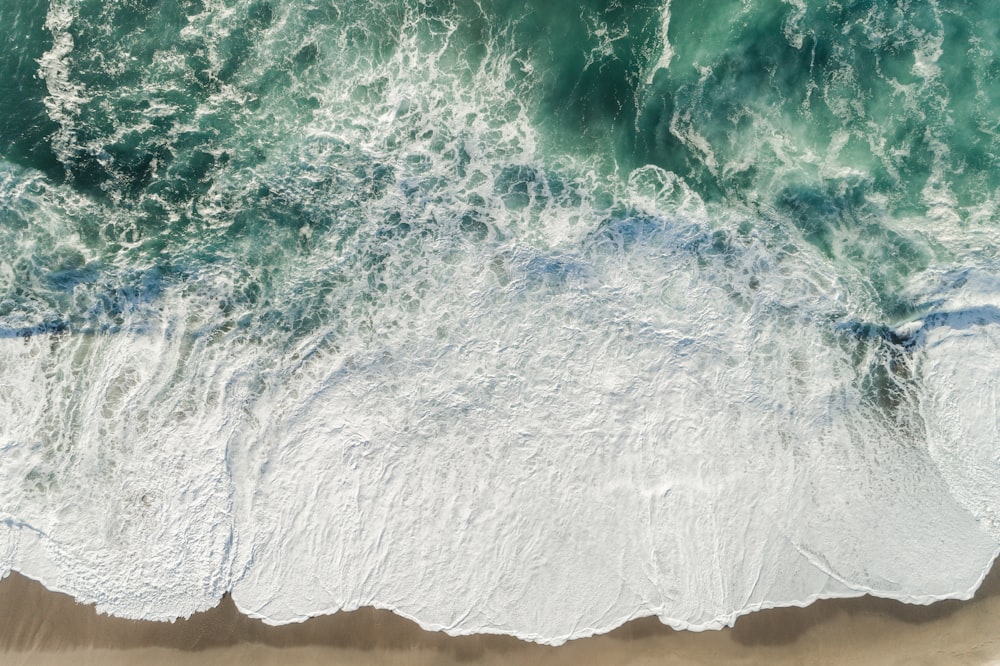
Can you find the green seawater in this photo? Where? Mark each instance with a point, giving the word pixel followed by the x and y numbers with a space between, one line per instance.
pixel 864 129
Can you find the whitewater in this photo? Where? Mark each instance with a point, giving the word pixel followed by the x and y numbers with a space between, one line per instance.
pixel 508 318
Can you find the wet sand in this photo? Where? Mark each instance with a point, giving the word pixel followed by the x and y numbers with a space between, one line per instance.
pixel 42 627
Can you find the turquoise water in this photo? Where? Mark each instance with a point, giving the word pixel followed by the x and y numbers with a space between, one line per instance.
pixel 286 285
pixel 828 120
pixel 863 130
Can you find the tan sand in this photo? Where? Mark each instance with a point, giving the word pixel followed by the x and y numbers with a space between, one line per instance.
pixel 42 627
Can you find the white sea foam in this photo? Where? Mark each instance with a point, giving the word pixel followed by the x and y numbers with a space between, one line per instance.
pixel 65 95
pixel 960 392
pixel 552 442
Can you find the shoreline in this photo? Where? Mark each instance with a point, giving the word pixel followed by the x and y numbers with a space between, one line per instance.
pixel 51 628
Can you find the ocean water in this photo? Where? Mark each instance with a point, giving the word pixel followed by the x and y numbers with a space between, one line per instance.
pixel 512 317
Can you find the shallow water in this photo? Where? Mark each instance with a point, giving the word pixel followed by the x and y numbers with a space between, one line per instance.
pixel 511 319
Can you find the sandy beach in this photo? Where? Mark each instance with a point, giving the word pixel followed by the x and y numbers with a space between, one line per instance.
pixel 42 627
